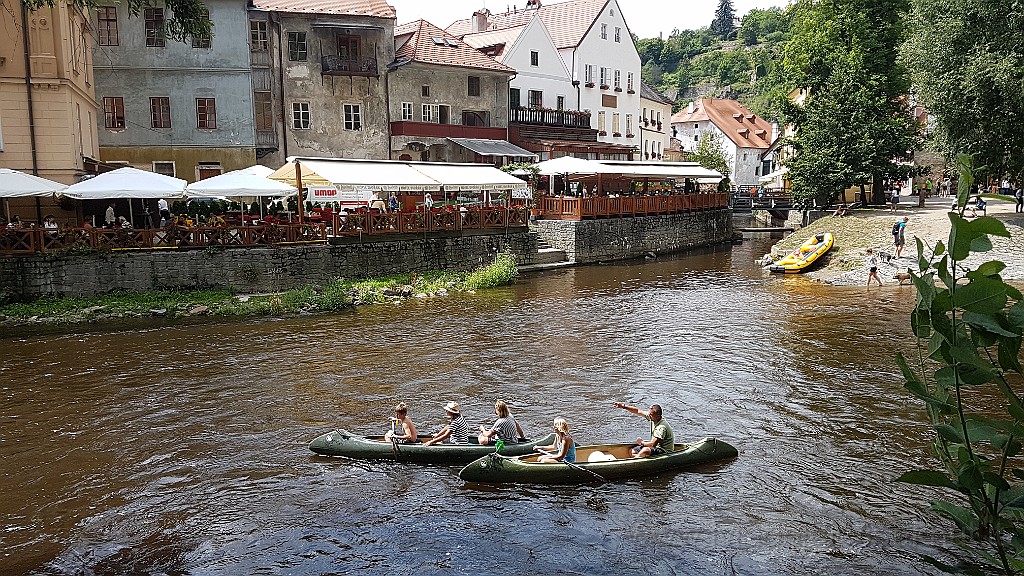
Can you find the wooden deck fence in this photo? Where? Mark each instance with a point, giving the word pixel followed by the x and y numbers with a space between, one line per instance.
pixel 35 240
pixel 568 208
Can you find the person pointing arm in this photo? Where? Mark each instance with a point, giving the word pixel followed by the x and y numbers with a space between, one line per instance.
pixel 662 438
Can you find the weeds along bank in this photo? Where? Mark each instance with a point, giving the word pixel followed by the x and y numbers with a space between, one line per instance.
pixel 249 270
pixel 334 295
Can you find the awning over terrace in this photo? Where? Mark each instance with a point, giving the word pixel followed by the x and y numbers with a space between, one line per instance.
pixel 357 175
pixel 388 175
pixel 678 170
pixel 486 147
pixel 469 176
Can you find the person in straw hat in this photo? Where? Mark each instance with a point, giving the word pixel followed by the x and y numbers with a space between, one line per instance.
pixel 457 430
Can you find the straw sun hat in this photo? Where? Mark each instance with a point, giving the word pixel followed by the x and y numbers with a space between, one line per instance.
pixel 452 407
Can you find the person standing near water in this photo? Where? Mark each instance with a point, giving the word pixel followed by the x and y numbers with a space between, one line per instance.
pixel 872 262
pixel 900 236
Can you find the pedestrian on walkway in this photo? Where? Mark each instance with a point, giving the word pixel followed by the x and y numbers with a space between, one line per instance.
pixel 1020 198
pixel 872 262
pixel 894 199
pixel 899 233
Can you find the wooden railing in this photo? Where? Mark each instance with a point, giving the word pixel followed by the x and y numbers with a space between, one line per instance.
pixel 543 117
pixel 34 240
pixel 559 208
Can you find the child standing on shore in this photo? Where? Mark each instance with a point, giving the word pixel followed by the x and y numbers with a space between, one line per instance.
pixel 872 262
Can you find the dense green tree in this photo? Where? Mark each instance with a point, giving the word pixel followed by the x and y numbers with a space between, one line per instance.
pixel 711 153
pixel 761 23
pixel 967 62
pixel 724 23
pixel 855 125
pixel 186 18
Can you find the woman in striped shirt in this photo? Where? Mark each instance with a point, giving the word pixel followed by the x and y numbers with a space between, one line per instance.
pixel 456 432
pixel 506 428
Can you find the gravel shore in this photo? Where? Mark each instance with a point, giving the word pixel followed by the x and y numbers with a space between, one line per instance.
pixel 871 228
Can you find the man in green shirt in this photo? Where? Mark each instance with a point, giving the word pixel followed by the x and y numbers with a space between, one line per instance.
pixel 662 439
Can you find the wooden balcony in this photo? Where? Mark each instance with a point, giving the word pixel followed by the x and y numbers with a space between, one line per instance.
pixel 542 117
pixel 568 208
pixel 337 66
pixel 432 130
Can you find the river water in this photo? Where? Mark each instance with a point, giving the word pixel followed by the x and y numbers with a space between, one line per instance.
pixel 181 449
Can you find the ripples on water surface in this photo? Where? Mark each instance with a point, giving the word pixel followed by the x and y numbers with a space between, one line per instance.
pixel 182 449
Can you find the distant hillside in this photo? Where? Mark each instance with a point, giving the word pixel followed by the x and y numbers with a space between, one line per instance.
pixel 693 64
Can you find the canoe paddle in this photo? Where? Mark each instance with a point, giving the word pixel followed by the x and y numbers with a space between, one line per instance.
pixel 573 465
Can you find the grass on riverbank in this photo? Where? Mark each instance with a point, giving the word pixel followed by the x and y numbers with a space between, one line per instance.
pixel 333 296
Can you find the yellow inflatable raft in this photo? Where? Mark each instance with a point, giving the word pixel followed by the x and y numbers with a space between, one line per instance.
pixel 803 257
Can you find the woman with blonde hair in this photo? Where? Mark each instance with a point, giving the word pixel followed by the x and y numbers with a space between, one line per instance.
pixel 564 447
pixel 505 428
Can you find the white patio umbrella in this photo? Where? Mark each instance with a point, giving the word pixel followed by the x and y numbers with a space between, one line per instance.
pixel 240 183
pixel 128 183
pixel 17 184
pixel 572 165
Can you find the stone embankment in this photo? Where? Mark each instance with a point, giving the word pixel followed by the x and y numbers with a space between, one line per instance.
pixel 872 227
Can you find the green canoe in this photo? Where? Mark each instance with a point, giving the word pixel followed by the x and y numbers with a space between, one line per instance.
pixel 499 469
pixel 343 443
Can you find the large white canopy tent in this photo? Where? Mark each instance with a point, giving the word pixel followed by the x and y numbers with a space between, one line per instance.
pixel 128 183
pixel 15 184
pixel 239 184
pixel 571 165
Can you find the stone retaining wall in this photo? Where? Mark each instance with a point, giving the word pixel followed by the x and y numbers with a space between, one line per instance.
pixel 624 238
pixel 251 270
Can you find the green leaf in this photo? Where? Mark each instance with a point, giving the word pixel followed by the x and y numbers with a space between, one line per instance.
pixel 970 476
pixel 981 295
pixel 990 268
pixel 1009 354
pixel 964 518
pixel 927 478
pixel 920 323
pixel 996 480
pixel 1015 315
pixel 950 433
pixel 940 248
pixel 987 322
pixel 964 233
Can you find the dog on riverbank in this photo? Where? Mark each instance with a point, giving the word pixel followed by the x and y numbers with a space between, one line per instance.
pixel 902 277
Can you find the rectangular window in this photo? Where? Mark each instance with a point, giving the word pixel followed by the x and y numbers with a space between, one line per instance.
pixel 113 112
pixel 258 36
pixel 629 81
pixel 353 117
pixel 297 46
pixel 300 115
pixel 590 74
pixel 154 27
pixel 206 113
pixel 348 47
pixel 407 111
pixel 618 79
pixel 202 40
pixel 160 112
pixel 476 118
pixel 474 85
pixel 208 170
pixel 604 76
pixel 534 58
pixel 600 121
pixel 263 103
pixel 536 99
pixel 629 124
pixel 560 103
pixel 425 91
pixel 615 123
pixel 604 31
pixel 618 34
pixel 164 167
pixel 513 98
pixel 106 26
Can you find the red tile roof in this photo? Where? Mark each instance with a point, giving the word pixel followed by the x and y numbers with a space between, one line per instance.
pixel 736 121
pixel 451 51
pixel 374 8
pixel 567 22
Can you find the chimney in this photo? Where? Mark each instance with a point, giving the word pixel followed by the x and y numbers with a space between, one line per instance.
pixel 532 4
pixel 689 108
pixel 480 18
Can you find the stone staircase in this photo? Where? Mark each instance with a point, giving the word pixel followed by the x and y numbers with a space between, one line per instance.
pixel 547 255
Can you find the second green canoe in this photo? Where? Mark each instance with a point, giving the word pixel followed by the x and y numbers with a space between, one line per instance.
pixel 609 462
pixel 344 443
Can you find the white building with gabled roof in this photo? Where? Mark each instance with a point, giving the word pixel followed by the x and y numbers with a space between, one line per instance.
pixel 596 48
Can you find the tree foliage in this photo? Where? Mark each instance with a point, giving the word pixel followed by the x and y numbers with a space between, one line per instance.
pixel 969 325
pixel 185 19
pixel 855 124
pixel 724 24
pixel 711 153
pixel 967 61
